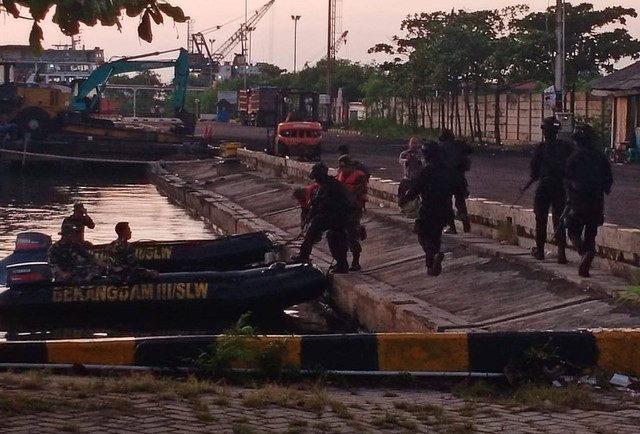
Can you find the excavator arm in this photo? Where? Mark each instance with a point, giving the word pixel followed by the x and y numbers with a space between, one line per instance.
pixel 87 95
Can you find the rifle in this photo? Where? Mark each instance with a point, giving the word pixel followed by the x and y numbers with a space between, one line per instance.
pixel 523 190
pixel 561 222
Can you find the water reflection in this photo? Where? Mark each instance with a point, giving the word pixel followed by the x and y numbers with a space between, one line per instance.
pixel 39 202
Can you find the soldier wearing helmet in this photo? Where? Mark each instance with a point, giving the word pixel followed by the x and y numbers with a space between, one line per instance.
pixel 588 178
pixel 547 167
pixel 433 185
pixel 455 157
pixel 356 181
pixel 70 260
pixel 329 211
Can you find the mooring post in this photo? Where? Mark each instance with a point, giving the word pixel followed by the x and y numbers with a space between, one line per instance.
pixel 25 140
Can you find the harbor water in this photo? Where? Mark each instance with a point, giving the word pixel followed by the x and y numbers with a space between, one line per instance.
pixel 40 201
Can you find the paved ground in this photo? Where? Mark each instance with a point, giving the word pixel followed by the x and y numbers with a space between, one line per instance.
pixel 57 404
pixel 494 175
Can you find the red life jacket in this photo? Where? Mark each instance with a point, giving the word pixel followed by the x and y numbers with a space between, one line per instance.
pixel 309 192
pixel 356 182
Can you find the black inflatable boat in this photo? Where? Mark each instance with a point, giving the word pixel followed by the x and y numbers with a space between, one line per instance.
pixel 30 293
pixel 221 254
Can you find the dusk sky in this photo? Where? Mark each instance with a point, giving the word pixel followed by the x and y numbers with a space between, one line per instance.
pixel 368 22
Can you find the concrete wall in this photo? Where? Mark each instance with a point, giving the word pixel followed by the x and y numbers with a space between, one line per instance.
pixel 618 247
pixel 456 353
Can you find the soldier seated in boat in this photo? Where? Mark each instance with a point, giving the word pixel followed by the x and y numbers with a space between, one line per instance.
pixel 70 260
pixel 122 261
pixel 81 219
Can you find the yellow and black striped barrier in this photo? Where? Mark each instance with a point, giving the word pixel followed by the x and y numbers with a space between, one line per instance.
pixel 489 353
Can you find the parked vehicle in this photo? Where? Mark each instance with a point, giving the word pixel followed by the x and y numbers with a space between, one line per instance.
pixel 257 106
pixel 34 107
pixel 40 109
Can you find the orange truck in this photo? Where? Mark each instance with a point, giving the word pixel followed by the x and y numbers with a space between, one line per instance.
pixel 298 139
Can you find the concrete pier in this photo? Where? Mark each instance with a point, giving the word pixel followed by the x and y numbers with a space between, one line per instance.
pixel 486 284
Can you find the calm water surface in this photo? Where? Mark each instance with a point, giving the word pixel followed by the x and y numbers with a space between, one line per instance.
pixel 39 202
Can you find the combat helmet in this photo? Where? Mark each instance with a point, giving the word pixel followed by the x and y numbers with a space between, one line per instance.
pixel 583 134
pixel 319 170
pixel 550 125
pixel 430 151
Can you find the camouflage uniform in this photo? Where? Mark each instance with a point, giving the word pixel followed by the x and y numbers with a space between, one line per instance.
pixel 122 263
pixel 75 259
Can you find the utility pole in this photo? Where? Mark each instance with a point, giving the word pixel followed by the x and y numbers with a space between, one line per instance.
pixel 295 19
pixel 244 46
pixel 560 57
pixel 329 59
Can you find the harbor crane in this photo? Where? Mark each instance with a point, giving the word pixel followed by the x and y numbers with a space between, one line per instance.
pixel 200 43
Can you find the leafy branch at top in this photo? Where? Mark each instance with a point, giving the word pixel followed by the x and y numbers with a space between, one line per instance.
pixel 69 14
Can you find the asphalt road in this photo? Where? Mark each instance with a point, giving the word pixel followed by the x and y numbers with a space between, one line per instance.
pixel 495 174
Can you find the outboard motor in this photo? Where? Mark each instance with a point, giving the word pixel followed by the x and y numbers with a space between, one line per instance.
pixel 30 241
pixel 30 247
pixel 27 274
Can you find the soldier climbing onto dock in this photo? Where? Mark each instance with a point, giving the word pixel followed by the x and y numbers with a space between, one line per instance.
pixel 330 210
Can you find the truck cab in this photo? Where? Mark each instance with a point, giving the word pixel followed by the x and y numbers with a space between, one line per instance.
pixel 298 139
pixel 298 131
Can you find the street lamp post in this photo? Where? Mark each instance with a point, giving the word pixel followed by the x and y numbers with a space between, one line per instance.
pixel 295 19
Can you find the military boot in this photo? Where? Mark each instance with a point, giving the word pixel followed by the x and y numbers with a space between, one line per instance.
pixel 355 263
pixel 466 224
pixel 451 230
pixel 538 252
pixel 562 256
pixel 436 269
pixel 585 264
pixel 577 244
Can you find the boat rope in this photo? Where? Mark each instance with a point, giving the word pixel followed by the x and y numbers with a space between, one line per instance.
pixel 89 159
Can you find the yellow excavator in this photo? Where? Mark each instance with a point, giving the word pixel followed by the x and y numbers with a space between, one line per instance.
pixel 35 108
pixel 39 109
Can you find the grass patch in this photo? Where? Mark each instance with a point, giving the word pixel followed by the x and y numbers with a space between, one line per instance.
pixel 392 420
pixel 202 410
pixel 631 294
pixel 507 233
pixel 12 403
pixel 533 396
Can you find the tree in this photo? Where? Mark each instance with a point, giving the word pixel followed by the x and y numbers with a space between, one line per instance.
pixel 459 53
pixel 69 14
pixel 594 41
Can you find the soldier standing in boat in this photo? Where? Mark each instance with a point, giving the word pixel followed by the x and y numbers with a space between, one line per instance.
pixel 70 260
pixel 122 262
pixel 80 219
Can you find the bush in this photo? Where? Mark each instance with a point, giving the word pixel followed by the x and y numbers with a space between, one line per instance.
pixel 388 128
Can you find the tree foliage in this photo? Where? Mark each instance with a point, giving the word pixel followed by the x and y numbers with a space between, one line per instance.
pixel 459 52
pixel 69 14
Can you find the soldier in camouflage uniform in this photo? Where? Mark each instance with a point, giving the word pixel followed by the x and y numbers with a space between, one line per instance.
pixel 70 260
pixel 122 262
